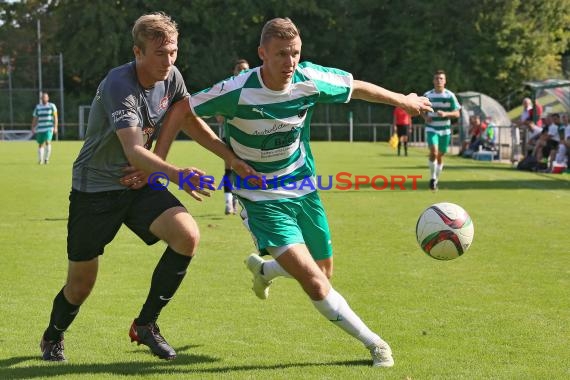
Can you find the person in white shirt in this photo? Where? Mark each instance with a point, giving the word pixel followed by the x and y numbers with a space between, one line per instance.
pixel 548 143
pixel 562 157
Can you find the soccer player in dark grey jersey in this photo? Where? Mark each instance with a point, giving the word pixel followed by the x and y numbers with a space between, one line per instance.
pixel 121 102
pixel 131 105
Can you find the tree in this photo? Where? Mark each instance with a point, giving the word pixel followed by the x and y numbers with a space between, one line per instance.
pixel 519 41
pixel 483 45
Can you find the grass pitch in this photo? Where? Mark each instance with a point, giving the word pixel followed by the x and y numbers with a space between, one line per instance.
pixel 501 311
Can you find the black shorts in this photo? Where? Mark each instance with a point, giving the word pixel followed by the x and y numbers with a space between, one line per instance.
pixel 95 218
pixel 402 130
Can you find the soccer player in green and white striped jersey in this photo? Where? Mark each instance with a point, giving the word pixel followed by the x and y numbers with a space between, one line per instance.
pixel 438 124
pixel 44 125
pixel 268 111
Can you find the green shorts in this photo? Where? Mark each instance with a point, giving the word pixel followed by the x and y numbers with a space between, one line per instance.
pixel 42 137
pixel 291 221
pixel 441 142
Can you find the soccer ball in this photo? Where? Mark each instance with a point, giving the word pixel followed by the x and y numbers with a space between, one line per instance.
pixel 444 231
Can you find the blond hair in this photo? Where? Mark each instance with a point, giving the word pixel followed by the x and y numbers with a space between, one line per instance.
pixel 154 26
pixel 282 28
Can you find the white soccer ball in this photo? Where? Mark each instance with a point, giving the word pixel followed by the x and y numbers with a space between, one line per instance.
pixel 444 231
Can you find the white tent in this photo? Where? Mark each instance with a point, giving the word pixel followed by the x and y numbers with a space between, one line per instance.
pixel 488 109
pixel 476 103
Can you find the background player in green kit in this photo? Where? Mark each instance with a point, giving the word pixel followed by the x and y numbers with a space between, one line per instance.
pixel 230 201
pixel 44 126
pixel 129 108
pixel 268 111
pixel 438 124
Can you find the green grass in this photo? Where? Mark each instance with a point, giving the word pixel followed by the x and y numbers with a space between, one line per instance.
pixel 501 311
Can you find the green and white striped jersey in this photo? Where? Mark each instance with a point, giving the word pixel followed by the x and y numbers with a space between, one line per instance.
pixel 270 129
pixel 46 114
pixel 444 101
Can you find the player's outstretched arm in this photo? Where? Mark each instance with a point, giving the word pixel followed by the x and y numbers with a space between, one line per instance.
pixel 412 103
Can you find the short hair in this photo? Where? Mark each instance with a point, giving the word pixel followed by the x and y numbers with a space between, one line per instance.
pixel 282 28
pixel 241 62
pixel 154 26
pixel 438 72
pixel 238 63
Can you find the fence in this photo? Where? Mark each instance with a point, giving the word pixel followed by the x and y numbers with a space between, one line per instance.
pixel 330 123
pixel 20 86
pixel 319 132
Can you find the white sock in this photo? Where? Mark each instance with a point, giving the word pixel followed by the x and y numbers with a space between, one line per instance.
pixel 272 269
pixel 432 165
pixel 228 197
pixel 41 155
pixel 48 152
pixel 335 308
pixel 438 170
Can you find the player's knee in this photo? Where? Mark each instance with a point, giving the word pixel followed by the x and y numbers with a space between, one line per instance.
pixel 77 292
pixel 317 288
pixel 186 242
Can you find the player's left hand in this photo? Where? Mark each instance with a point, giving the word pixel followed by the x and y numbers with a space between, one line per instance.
pixel 134 178
pixel 244 171
pixel 417 105
pixel 200 184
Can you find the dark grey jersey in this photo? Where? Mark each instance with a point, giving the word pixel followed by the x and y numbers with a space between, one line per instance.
pixel 121 102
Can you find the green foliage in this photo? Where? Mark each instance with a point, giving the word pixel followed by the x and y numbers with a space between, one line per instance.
pixel 483 45
pixel 94 37
pixel 520 41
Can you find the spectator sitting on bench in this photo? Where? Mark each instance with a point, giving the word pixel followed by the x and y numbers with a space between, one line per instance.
pixel 476 131
pixel 548 142
pixel 489 135
pixel 527 118
pixel 563 156
pixel 533 134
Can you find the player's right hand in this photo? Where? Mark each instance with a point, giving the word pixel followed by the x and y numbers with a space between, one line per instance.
pixel 134 179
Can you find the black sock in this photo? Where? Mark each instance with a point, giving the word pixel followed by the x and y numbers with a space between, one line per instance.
pixel 166 279
pixel 62 315
pixel 406 147
pixel 228 175
pixel 399 145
